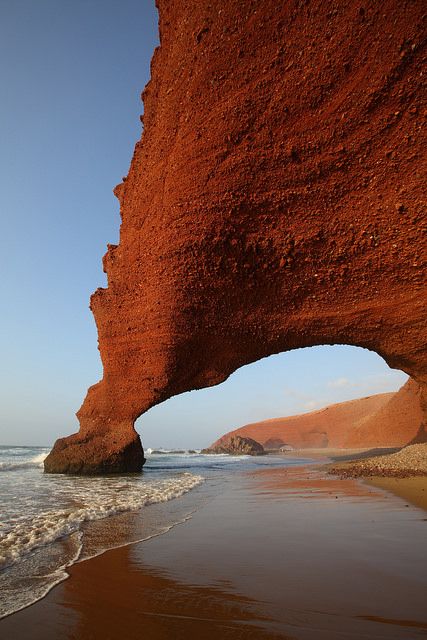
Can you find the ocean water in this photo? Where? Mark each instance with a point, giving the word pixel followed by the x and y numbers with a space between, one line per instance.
pixel 48 522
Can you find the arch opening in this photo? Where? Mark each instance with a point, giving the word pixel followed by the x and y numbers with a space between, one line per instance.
pixel 295 383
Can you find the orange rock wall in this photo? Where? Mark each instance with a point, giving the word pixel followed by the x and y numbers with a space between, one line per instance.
pixel 398 422
pixel 328 427
pixel 386 419
pixel 274 201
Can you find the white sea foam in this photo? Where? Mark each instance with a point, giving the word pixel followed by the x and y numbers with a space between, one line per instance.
pixel 39 459
pixel 33 463
pixel 20 590
pixel 19 595
pixel 48 522
pixel 173 452
pixel 24 534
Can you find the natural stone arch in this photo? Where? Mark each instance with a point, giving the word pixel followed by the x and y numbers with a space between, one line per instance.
pixel 272 400
pixel 273 202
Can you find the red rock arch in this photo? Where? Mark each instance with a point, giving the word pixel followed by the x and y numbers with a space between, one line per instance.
pixel 273 202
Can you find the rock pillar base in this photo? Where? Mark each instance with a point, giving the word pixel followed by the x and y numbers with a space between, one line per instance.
pixel 96 454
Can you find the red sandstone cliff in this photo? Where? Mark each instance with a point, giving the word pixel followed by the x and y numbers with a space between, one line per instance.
pixel 274 201
pixel 386 419
pixel 398 422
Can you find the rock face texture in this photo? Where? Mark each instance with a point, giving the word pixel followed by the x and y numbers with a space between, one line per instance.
pixel 398 422
pixel 274 201
pixel 97 453
pixel 236 445
pixel 273 444
pixel 386 419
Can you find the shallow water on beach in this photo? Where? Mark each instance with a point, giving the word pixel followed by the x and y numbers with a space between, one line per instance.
pixel 262 549
pixel 49 522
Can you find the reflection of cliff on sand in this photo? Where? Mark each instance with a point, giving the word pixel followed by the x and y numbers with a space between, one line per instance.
pixel 273 202
pixel 109 597
pixel 268 553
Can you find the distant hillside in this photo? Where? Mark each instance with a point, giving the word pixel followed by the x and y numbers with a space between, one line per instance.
pixel 388 419
pixel 398 422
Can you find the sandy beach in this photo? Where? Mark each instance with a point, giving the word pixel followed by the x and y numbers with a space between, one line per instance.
pixel 276 553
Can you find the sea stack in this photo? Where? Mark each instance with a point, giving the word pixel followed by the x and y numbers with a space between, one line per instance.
pixel 236 446
pixel 274 201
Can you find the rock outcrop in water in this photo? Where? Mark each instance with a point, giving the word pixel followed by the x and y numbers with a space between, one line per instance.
pixel 274 201
pixel 236 445
pixel 97 453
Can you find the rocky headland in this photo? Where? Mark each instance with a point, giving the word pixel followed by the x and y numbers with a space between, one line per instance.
pixel 382 420
pixel 275 200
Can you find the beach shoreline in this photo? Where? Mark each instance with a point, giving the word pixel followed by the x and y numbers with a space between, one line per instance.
pixel 406 462
pixel 404 482
pixel 247 565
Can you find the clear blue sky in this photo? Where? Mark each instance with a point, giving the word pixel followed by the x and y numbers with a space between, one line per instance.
pixel 71 75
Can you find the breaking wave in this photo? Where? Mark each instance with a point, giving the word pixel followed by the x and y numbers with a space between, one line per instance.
pixel 24 533
pixel 33 463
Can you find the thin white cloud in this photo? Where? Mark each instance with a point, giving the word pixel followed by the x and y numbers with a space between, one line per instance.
pixel 311 404
pixel 303 401
pixel 340 383
pixel 341 389
pixel 374 383
pixel 389 381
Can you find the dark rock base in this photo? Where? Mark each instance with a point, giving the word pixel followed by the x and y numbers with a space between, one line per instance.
pixel 236 446
pixel 96 454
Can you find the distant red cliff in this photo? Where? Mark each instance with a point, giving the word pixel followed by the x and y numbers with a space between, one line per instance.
pixel 386 419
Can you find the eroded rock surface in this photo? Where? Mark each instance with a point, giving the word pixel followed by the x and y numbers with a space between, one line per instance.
pixel 237 446
pixel 274 201
pixel 110 452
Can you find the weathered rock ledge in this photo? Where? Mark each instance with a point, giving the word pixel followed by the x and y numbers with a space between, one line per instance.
pixel 276 200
